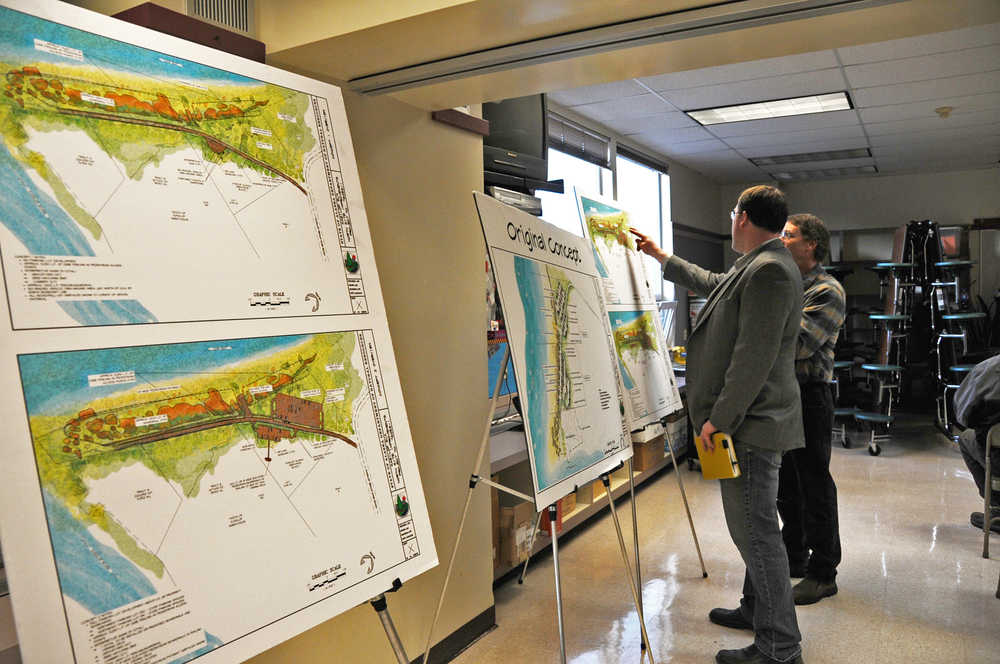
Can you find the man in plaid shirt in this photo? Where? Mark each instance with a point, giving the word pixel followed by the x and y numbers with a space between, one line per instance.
pixel 807 494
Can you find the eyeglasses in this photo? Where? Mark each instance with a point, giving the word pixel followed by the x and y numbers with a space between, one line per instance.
pixel 733 213
pixel 786 235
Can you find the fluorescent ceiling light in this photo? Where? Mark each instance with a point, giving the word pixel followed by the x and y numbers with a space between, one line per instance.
pixel 824 173
pixel 835 101
pixel 801 157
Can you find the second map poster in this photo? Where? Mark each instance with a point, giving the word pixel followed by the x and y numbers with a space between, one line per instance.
pixel 561 350
pixel 647 375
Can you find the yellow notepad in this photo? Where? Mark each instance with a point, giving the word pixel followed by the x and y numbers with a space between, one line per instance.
pixel 721 463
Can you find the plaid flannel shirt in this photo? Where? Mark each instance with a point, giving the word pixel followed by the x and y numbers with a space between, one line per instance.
pixel 823 309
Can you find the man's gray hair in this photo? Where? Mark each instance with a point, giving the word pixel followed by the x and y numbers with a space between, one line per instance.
pixel 813 230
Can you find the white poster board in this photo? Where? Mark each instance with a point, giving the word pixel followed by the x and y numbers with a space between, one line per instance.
pixel 647 374
pixel 206 449
pixel 561 349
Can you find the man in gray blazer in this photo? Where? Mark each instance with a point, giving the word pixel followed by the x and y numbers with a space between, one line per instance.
pixel 741 381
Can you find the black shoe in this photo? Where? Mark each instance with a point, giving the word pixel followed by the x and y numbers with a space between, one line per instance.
pixel 810 591
pixel 730 618
pixel 976 519
pixel 750 655
pixel 797 570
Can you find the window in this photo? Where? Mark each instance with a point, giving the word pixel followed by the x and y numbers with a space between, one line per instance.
pixel 645 192
pixel 560 209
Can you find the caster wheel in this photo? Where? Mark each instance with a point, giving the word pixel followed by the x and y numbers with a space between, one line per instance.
pixel 875 451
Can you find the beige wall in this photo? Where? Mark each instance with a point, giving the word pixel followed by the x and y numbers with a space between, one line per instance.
pixel 417 176
pixel 694 200
pixel 951 198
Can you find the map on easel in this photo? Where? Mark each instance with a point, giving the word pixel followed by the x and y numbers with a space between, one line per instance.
pixel 647 374
pixel 206 450
pixel 618 261
pixel 561 349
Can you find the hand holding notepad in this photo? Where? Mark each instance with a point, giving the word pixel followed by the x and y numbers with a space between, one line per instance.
pixel 719 462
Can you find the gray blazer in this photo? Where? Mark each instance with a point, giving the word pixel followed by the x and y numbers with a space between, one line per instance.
pixel 741 352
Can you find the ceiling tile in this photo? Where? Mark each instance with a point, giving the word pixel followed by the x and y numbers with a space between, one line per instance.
pixel 933 123
pixel 674 136
pixel 624 107
pixel 813 165
pixel 938 65
pixel 902 93
pixel 950 133
pixel 790 123
pixel 742 71
pixel 854 134
pixel 675 148
pixel 922 109
pixel 952 40
pixel 800 148
pixel 654 123
pixel 763 89
pixel 595 93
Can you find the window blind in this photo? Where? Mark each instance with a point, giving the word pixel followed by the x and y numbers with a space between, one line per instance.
pixel 575 139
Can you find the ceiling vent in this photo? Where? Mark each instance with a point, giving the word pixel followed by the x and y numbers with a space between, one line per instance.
pixel 802 157
pixel 818 173
pixel 236 15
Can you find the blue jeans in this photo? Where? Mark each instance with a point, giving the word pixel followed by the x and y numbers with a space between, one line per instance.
pixel 752 517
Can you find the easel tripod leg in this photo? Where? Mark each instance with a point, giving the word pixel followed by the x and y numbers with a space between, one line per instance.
pixel 680 483
pixel 635 542
pixel 468 497
pixel 382 609
pixel 553 515
pixel 628 568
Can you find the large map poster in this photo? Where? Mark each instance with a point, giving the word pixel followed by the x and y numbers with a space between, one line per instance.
pixel 561 349
pixel 206 449
pixel 647 374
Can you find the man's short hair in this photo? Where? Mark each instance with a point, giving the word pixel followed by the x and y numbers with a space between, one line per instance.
pixel 765 206
pixel 813 229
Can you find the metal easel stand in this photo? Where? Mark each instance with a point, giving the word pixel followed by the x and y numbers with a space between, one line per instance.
pixel 635 538
pixel 474 480
pixel 606 480
pixel 680 483
pixel 382 609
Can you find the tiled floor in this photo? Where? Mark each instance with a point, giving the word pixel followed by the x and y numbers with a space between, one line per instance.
pixel 913 584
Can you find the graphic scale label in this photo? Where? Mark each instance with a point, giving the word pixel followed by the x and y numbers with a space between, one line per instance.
pixel 561 349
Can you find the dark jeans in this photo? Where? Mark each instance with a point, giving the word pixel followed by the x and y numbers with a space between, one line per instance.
pixel 749 505
pixel 807 494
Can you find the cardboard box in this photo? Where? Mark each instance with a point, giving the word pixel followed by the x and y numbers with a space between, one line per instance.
pixel 547 523
pixel 569 503
pixel 585 493
pixel 619 476
pixel 647 455
pixel 598 488
pixel 516 524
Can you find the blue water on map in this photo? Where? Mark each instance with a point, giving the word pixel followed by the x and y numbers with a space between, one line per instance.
pixel 211 643
pixel 618 319
pixel 92 574
pixel 107 312
pixel 496 353
pixel 17 42
pixel 39 222
pixel 54 382
pixel 536 353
